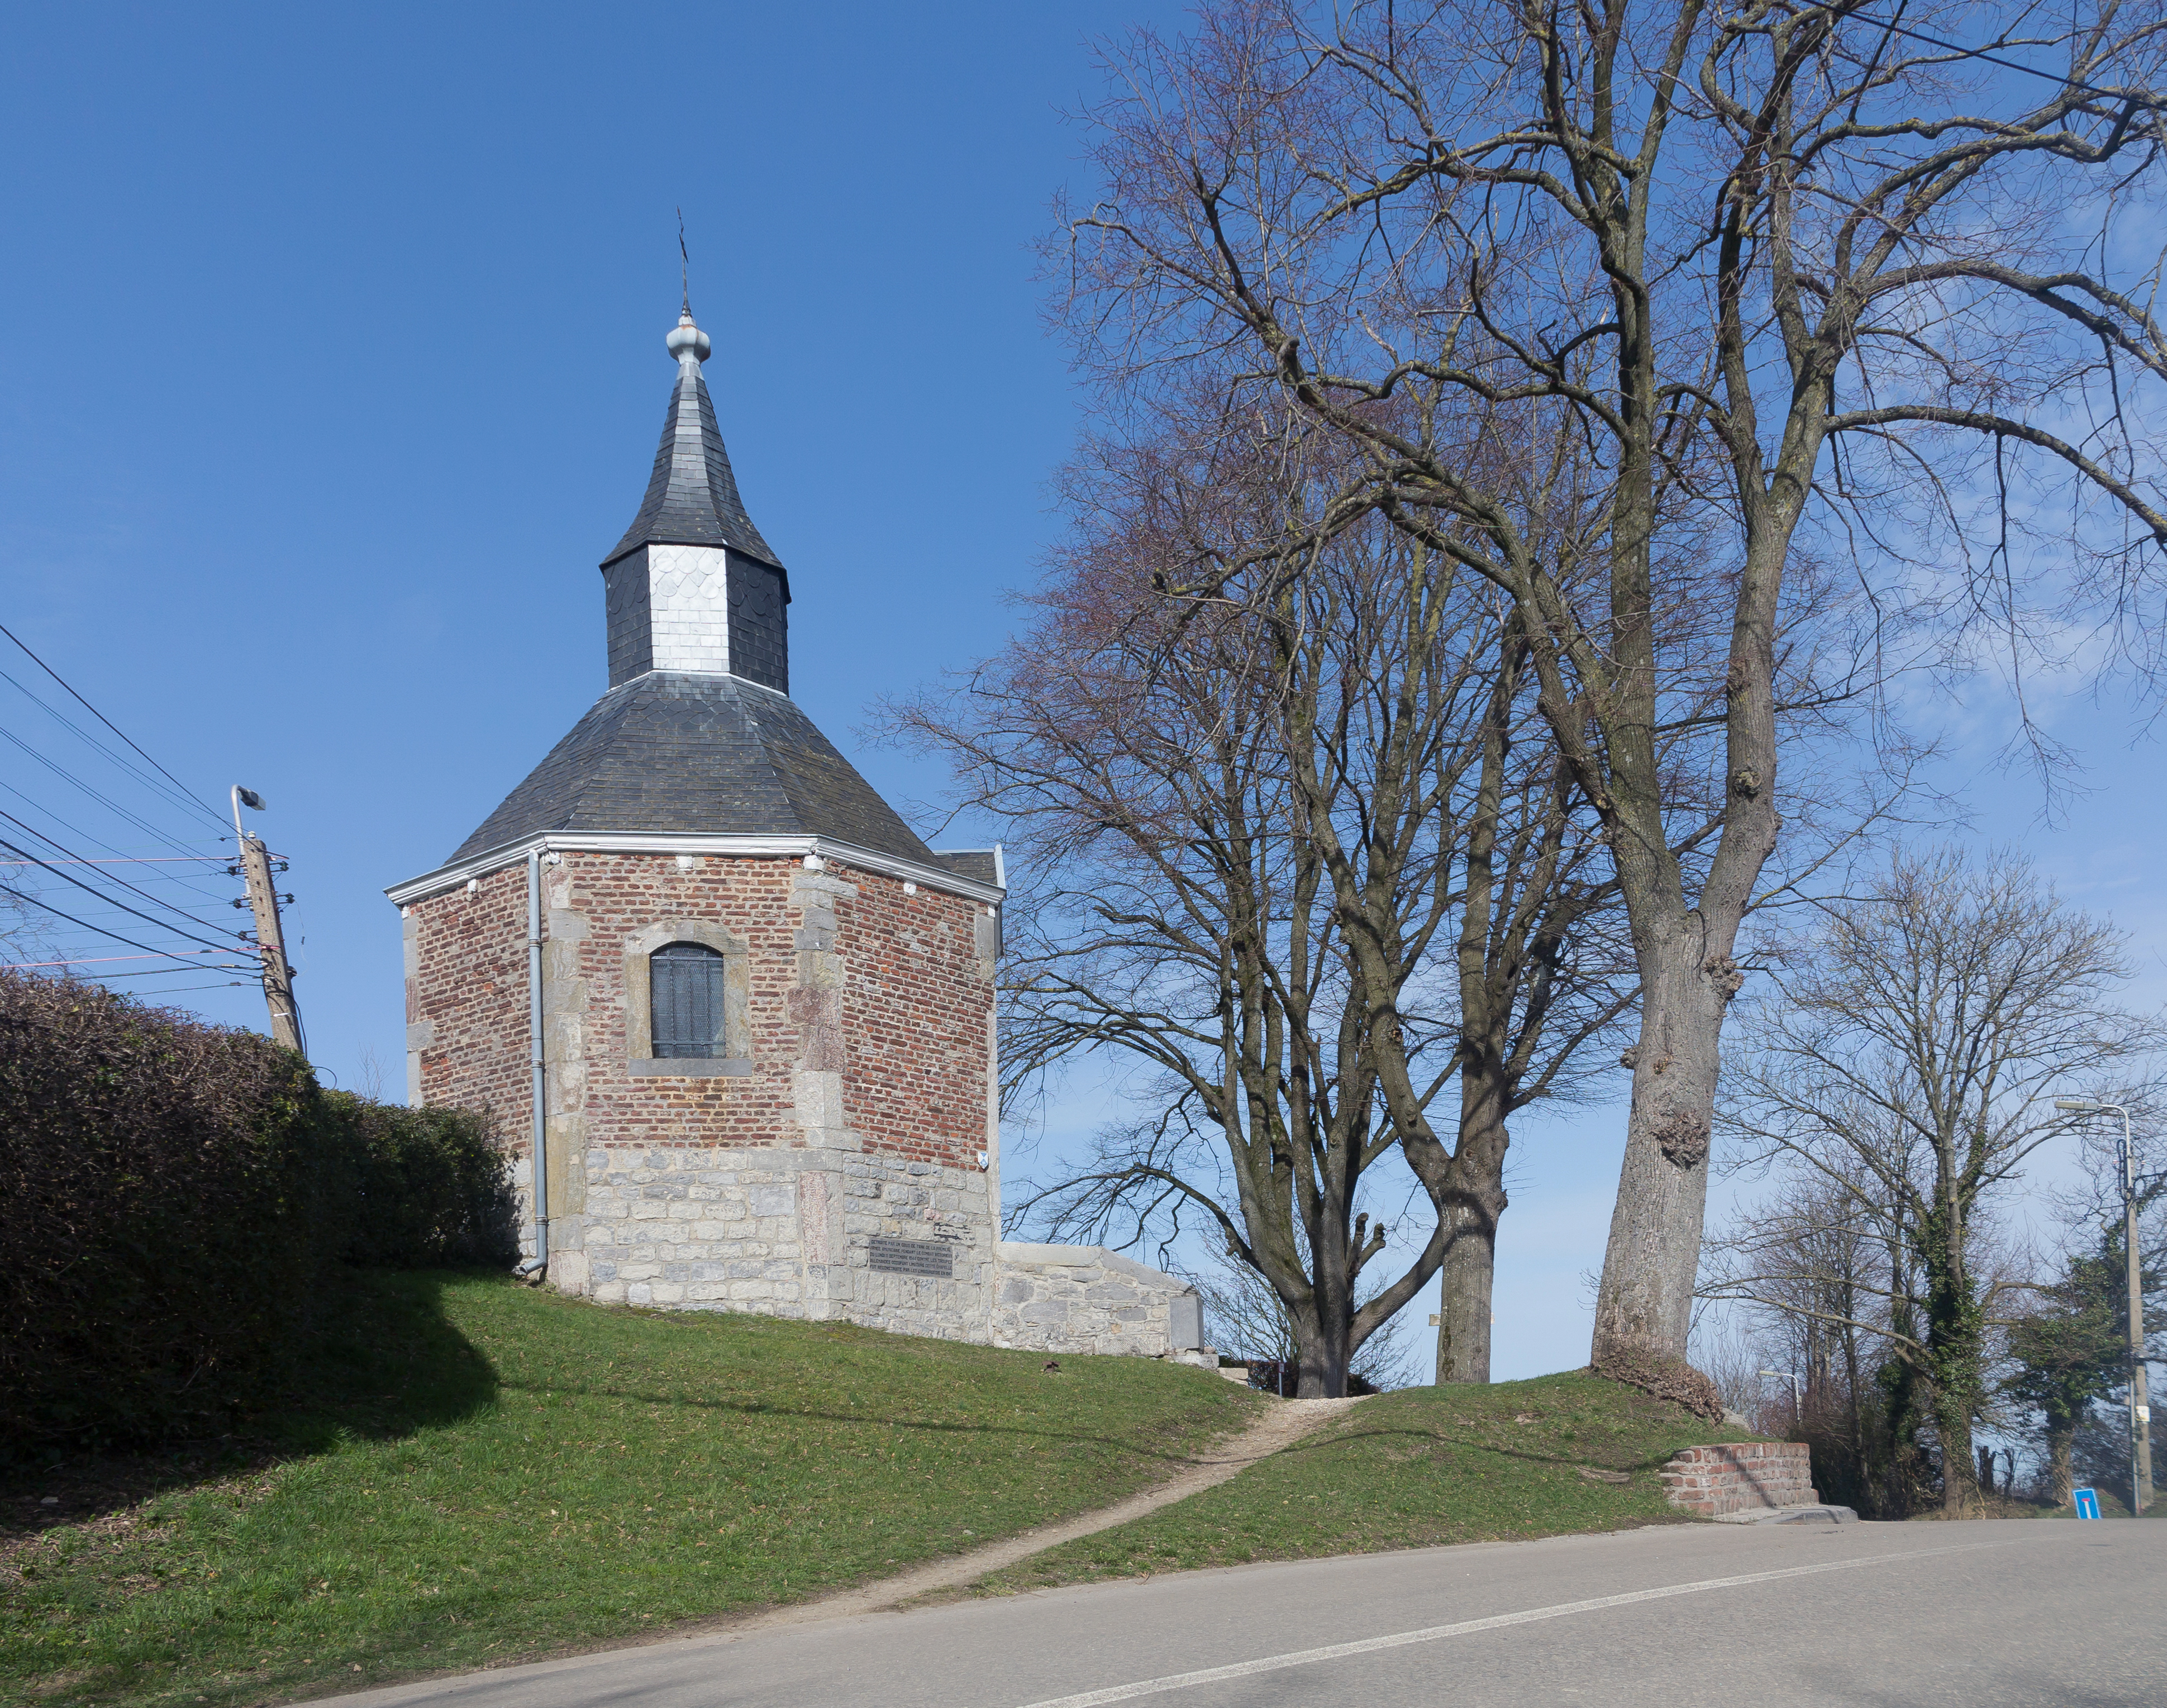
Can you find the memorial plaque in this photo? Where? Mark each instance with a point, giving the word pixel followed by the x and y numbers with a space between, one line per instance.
pixel 913 1257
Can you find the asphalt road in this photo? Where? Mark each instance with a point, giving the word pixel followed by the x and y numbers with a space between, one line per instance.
pixel 1746 1617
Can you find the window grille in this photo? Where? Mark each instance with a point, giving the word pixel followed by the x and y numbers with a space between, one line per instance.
pixel 684 988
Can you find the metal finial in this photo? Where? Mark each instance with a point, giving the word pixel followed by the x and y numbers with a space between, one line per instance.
pixel 684 265
pixel 685 341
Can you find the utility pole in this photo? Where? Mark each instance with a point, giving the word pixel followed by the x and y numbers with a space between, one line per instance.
pixel 270 935
pixel 2140 1408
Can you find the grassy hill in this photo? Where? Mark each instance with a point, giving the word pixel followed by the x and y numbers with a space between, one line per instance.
pixel 479 1471
pixel 1409 1469
pixel 476 1473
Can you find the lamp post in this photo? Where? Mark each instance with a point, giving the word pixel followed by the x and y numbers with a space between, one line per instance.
pixel 2140 1412
pixel 1798 1400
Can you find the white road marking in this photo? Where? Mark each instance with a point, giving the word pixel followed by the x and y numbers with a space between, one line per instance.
pixel 1370 1645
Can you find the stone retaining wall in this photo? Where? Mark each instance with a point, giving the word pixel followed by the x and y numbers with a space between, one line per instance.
pixel 1085 1298
pixel 1740 1476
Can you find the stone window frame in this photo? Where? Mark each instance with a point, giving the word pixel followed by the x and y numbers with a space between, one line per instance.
pixel 640 1060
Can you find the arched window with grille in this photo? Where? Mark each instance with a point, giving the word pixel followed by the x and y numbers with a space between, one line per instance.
pixel 685 994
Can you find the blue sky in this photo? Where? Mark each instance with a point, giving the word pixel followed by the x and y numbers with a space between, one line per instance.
pixel 334 363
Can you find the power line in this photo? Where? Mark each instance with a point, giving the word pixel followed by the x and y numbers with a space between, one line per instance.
pixel 103 960
pixel 168 972
pixel 113 806
pixel 158 972
pixel 75 859
pixel 133 772
pixel 2009 65
pixel 147 919
pixel 96 841
pixel 193 799
pixel 125 860
pixel 101 931
pixel 156 900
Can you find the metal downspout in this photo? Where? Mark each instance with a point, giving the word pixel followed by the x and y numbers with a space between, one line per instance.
pixel 537 1266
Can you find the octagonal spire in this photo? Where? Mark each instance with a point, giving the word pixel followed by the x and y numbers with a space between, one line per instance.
pixel 692 496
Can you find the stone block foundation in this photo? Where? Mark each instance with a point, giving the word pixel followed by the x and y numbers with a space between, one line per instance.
pixel 783 1233
pixel 793 1233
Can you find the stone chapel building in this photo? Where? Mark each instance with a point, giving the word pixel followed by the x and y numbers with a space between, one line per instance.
pixel 737 1016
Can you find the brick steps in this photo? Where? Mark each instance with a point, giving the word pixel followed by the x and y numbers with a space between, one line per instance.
pixel 1733 1477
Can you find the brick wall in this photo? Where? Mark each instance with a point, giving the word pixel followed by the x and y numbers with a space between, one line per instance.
pixel 595 903
pixel 915 1002
pixel 1734 1477
pixel 861 1111
pixel 466 1000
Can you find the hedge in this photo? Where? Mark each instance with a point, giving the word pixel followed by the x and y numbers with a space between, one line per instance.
pixel 430 1188
pixel 176 1197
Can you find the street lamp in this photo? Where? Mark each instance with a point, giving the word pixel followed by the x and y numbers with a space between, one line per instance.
pixel 1798 1402
pixel 2140 1413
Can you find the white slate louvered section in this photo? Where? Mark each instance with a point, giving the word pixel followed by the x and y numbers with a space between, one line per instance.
pixel 688 608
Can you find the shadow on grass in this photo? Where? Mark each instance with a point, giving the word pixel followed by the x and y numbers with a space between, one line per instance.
pixel 385 1361
pixel 1464 1445
pixel 381 1362
pixel 757 1408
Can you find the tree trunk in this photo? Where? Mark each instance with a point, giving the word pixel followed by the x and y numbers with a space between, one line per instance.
pixel 1476 1197
pixel 1649 1269
pixel 1469 1272
pixel 1955 1328
pixel 1321 1353
pixel 1959 1475
pixel 2061 1477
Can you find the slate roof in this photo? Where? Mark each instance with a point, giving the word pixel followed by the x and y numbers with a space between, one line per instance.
pixel 692 496
pixel 977 864
pixel 702 756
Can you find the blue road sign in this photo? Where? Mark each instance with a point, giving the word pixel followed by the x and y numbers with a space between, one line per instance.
pixel 2087 1503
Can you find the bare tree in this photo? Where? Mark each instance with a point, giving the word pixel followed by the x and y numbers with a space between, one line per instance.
pixel 1823 1275
pixel 1244 1317
pixel 1284 849
pixel 1791 272
pixel 1904 1064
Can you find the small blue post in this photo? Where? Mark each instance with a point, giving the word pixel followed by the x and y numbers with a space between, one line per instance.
pixel 2087 1503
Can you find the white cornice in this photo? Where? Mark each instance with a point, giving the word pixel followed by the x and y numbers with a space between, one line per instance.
pixel 451 877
